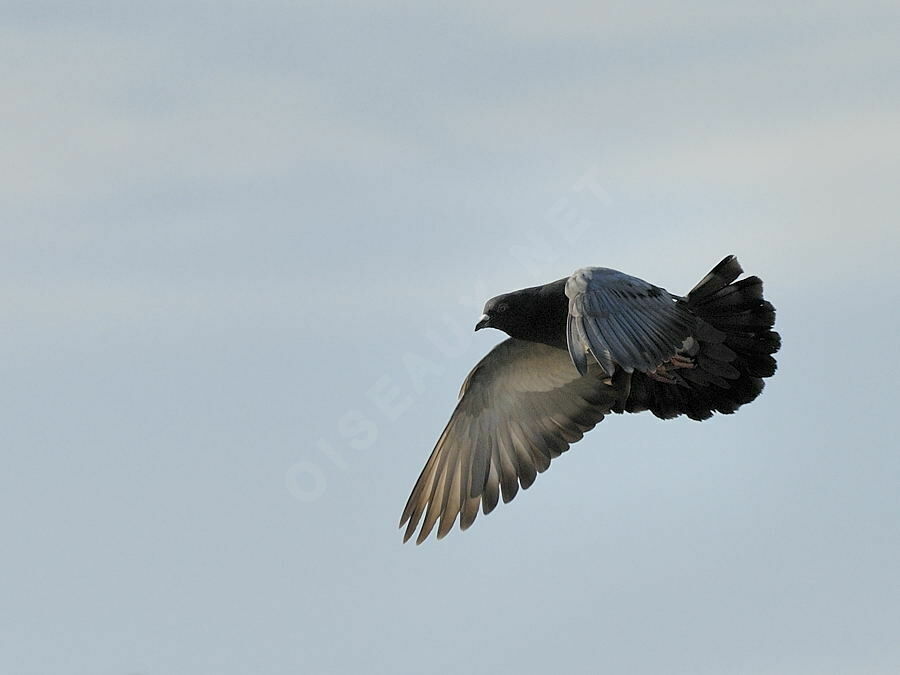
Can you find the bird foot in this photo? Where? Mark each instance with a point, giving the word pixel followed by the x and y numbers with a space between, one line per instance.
pixel 679 361
pixel 661 372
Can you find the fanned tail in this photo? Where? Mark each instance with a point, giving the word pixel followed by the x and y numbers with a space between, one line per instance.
pixel 729 354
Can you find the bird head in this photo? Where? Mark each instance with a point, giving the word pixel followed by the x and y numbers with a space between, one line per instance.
pixel 496 310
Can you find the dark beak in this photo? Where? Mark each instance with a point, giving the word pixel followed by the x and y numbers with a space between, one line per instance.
pixel 484 323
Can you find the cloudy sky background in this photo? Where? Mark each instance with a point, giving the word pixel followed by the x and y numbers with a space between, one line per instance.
pixel 242 248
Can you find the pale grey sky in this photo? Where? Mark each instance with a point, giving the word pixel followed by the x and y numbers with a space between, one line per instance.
pixel 242 248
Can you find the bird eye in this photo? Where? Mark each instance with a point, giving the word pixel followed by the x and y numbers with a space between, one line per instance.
pixel 502 308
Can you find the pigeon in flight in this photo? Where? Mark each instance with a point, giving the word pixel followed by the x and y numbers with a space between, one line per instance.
pixel 579 348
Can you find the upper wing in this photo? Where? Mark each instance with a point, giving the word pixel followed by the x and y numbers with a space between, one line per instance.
pixel 520 407
pixel 622 321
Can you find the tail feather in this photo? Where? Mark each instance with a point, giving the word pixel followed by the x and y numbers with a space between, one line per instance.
pixel 718 278
pixel 732 353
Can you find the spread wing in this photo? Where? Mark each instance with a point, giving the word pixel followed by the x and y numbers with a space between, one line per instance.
pixel 622 321
pixel 519 408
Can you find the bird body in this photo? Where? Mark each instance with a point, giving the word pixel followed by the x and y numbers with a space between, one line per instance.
pixel 594 343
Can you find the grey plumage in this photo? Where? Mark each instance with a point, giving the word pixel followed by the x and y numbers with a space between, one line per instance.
pixel 622 321
pixel 582 347
pixel 522 404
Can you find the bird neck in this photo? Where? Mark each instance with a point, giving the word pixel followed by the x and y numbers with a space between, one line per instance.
pixel 543 317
